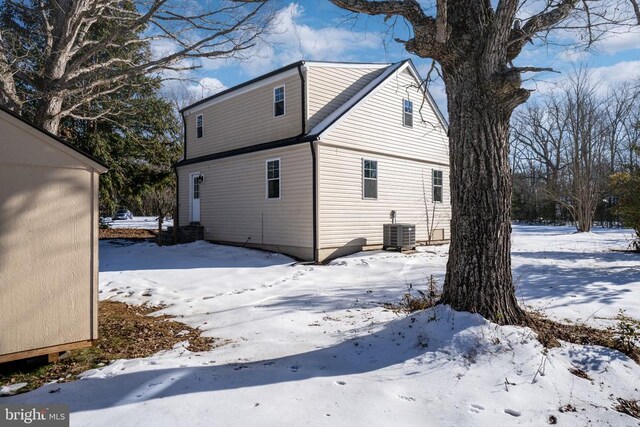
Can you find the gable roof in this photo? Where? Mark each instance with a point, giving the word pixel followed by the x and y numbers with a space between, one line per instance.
pixel 90 160
pixel 358 99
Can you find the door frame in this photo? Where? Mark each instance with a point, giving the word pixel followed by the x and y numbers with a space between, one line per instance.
pixel 191 209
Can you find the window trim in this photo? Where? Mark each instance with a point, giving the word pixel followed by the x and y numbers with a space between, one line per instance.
pixel 433 186
pixel 372 179
pixel 404 113
pixel 201 117
pixel 266 178
pixel 284 100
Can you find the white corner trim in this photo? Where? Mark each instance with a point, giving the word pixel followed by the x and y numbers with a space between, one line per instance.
pixel 358 99
pixel 266 82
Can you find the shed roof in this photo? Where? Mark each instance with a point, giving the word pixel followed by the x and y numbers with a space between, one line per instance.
pixel 87 158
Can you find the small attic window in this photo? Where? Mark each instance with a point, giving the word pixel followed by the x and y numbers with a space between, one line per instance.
pixel 407 113
pixel 278 101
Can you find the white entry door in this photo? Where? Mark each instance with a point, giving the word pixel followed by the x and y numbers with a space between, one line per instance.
pixel 194 197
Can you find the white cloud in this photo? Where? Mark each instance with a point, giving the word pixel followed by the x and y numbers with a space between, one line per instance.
pixel 207 86
pixel 604 77
pixel 621 39
pixel 289 41
pixel 613 75
pixel 186 92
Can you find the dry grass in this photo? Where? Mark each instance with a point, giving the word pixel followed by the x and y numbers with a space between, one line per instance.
pixel 416 300
pixel 125 331
pixel 629 407
pixel 550 331
pixel 127 233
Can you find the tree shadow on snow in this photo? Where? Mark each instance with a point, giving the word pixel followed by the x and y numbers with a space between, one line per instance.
pixel 603 285
pixel 398 343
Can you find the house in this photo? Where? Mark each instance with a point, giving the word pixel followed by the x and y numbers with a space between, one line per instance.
pixel 311 159
pixel 48 242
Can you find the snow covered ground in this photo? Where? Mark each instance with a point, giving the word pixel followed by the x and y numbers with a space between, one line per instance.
pixel 313 345
pixel 144 222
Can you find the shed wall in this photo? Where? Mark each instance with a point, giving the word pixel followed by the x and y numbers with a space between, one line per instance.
pixel 48 243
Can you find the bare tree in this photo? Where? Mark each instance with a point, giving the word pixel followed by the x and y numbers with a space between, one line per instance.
pixel 475 44
pixel 575 138
pixel 59 55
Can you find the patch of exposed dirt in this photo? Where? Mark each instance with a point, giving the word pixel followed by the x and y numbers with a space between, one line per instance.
pixel 125 332
pixel 127 233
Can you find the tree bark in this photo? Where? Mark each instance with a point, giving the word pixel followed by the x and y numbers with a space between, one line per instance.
pixel 478 275
pixel 48 113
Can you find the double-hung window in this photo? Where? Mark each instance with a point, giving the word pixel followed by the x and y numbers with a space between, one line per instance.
pixel 436 179
pixel 199 126
pixel 278 101
pixel 273 179
pixel 369 179
pixel 407 113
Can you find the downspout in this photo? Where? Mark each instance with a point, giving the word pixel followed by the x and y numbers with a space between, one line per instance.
pixel 314 161
pixel 314 192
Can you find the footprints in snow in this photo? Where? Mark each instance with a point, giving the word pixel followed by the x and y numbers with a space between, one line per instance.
pixel 474 408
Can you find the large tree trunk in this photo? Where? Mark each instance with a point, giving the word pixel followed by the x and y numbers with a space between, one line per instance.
pixel 48 113
pixel 479 268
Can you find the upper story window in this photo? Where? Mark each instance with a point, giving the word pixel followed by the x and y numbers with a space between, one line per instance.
pixel 437 185
pixel 407 113
pixel 199 126
pixel 369 179
pixel 278 101
pixel 273 179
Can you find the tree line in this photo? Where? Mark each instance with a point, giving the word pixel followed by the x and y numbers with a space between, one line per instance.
pixel 568 149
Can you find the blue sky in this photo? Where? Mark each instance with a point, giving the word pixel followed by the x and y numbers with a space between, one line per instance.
pixel 317 30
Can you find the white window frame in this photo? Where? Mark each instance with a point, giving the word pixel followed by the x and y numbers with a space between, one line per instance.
pixel 266 178
pixel 433 185
pixel 404 113
pixel 377 178
pixel 201 118
pixel 284 100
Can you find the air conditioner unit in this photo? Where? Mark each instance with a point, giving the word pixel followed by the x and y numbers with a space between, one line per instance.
pixel 399 236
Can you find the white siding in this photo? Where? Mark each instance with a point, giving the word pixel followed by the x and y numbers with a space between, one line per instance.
pixel 330 87
pixel 246 119
pixel 406 157
pixel 377 124
pixel 234 207
pixel 346 218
